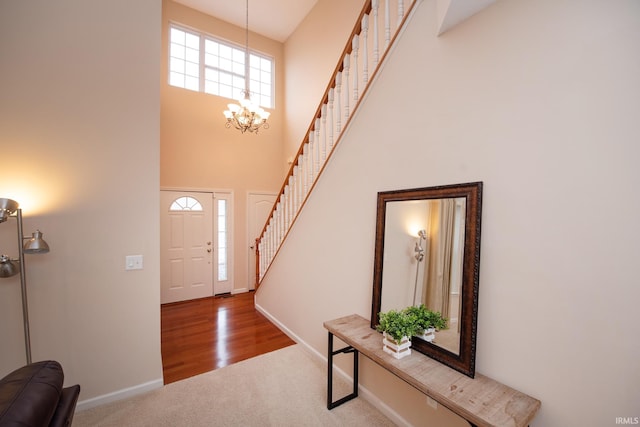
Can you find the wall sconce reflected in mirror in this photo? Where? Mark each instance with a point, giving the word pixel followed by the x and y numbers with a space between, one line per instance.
pixel 10 267
pixel 419 256
pixel 419 250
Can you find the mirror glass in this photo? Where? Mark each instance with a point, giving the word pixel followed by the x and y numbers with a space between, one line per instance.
pixel 427 252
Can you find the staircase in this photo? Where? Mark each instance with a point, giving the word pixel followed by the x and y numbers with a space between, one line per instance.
pixel 372 37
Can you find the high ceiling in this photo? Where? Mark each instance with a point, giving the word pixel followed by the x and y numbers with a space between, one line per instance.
pixel 275 19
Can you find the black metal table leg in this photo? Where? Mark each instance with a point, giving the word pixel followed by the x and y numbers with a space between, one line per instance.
pixel 330 403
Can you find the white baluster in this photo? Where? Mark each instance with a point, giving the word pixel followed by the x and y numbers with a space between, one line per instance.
pixel 287 200
pixel 295 188
pixel 264 255
pixel 268 249
pixel 276 225
pixel 271 239
pixel 316 153
pixel 312 158
pixel 300 181
pixel 280 221
pixel 285 209
pixel 300 191
pixel 259 251
pixel 305 169
pixel 290 199
pixel 345 68
pixel 375 4
pixel 354 70
pixel 338 98
pixel 400 13
pixel 387 24
pixel 324 133
pixel 365 50
pixel 263 252
pixel 331 112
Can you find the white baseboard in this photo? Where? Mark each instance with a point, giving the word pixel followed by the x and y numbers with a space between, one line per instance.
pixel 118 395
pixel 362 391
pixel 280 326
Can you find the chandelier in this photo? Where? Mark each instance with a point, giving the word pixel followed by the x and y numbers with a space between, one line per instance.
pixel 248 116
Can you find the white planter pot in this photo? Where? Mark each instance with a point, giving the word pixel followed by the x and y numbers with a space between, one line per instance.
pixel 392 347
pixel 428 334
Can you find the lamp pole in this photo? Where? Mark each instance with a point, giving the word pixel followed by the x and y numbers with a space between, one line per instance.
pixel 23 287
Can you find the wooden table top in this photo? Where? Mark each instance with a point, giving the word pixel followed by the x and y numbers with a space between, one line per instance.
pixel 480 400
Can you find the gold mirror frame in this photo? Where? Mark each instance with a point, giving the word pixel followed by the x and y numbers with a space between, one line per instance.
pixel 464 361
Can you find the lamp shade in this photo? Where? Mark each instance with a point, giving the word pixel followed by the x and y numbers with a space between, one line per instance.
pixel 8 267
pixel 7 208
pixel 36 244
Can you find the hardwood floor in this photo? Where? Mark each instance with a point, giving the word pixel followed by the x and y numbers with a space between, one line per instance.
pixel 206 334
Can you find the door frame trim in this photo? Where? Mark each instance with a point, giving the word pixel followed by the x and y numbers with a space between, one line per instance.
pixel 231 253
pixel 275 194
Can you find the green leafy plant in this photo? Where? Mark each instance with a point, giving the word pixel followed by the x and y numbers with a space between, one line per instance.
pixel 425 318
pixel 397 324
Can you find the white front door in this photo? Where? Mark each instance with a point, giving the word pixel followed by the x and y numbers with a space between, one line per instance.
pixel 186 246
pixel 259 208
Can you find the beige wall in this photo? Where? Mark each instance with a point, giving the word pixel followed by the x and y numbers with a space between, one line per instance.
pixel 198 152
pixel 80 132
pixel 540 100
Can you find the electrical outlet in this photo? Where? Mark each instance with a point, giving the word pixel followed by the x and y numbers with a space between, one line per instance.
pixel 133 262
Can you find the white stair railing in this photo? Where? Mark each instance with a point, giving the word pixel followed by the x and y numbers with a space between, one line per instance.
pixel 359 62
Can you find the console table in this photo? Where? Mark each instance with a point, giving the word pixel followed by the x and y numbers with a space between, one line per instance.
pixel 480 400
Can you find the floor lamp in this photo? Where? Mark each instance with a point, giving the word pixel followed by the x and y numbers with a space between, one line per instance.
pixel 10 267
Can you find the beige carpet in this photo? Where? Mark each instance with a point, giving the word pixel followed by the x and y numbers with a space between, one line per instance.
pixel 286 387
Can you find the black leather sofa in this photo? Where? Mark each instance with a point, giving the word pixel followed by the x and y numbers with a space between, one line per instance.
pixel 34 396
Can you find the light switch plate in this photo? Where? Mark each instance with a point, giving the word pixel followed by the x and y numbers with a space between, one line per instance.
pixel 133 262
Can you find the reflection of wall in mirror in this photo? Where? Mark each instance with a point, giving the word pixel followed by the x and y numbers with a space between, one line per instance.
pixel 403 276
pixel 403 221
pixel 444 278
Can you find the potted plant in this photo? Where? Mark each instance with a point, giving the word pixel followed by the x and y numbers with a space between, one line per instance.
pixel 427 321
pixel 397 328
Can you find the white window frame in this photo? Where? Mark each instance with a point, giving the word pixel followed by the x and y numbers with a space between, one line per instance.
pixel 228 282
pixel 199 70
pixel 185 203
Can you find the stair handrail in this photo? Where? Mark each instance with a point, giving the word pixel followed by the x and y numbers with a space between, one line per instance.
pixel 361 24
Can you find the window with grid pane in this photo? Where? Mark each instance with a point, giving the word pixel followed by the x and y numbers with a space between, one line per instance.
pixel 220 64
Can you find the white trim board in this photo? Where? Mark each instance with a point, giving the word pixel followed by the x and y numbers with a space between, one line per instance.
pixel 125 393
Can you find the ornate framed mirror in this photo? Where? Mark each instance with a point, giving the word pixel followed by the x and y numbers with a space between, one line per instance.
pixel 428 252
